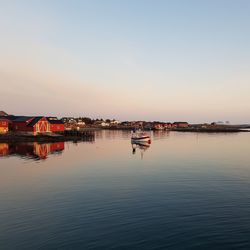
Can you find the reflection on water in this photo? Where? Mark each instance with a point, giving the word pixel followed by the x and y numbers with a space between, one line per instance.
pixel 112 134
pixel 140 146
pixel 31 150
pixel 190 191
pixel 159 134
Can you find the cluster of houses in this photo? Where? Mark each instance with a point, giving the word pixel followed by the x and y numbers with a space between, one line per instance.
pixel 35 125
pixel 32 125
pixel 72 123
pixel 155 125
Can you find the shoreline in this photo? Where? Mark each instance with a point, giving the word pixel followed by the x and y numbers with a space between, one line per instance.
pixel 10 138
pixel 89 134
pixel 210 130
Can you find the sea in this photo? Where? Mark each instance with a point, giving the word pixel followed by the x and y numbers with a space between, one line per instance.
pixel 181 191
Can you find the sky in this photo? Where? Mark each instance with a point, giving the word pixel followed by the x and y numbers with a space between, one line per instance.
pixel 167 60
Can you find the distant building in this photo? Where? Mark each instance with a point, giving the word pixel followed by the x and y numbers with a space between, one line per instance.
pixel 181 124
pixel 167 125
pixel 114 122
pixel 68 120
pixel 221 123
pixel 101 123
pixel 4 125
pixel 158 126
pixel 80 122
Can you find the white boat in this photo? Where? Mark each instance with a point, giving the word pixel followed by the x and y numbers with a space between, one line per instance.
pixel 140 137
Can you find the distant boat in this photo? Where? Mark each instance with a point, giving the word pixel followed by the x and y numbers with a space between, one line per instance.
pixel 140 137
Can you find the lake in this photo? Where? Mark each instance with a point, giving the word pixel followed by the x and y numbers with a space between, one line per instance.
pixel 183 191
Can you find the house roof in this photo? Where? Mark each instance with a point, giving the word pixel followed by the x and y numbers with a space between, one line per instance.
pixel 10 117
pixel 2 113
pixel 34 121
pixel 21 118
pixel 53 121
pixel 180 123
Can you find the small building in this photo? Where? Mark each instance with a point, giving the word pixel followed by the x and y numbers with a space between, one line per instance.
pixel 81 123
pixel 4 125
pixel 181 124
pixel 101 123
pixel 168 125
pixel 56 126
pixel 70 120
pixel 114 122
pixel 158 126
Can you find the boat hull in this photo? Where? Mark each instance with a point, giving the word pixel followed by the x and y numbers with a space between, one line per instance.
pixel 140 139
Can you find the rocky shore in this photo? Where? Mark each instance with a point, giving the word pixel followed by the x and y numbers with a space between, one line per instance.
pixel 76 136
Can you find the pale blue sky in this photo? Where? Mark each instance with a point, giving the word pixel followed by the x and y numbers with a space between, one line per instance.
pixel 151 60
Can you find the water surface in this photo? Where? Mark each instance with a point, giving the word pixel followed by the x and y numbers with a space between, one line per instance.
pixel 184 191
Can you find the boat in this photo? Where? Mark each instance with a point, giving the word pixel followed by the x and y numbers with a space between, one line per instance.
pixel 140 137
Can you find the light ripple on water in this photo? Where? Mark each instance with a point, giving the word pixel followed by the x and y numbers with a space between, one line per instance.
pixel 115 201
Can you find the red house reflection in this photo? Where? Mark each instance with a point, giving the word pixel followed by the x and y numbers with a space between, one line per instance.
pixel 4 149
pixel 32 150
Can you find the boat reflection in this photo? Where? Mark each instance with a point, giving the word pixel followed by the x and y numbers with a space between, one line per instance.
pixel 32 150
pixel 140 146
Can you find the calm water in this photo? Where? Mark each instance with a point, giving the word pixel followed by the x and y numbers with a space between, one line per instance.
pixel 185 191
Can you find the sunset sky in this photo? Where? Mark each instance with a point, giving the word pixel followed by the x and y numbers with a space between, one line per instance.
pixel 129 60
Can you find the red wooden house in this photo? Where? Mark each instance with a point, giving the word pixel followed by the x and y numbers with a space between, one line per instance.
pixel 56 126
pixel 31 125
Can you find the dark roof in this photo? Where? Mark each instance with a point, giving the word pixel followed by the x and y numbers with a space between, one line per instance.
pixel 56 122
pixel 21 118
pixel 35 121
pixel 10 117
pixel 2 113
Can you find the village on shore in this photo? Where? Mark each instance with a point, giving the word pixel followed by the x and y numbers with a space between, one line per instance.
pixel 42 125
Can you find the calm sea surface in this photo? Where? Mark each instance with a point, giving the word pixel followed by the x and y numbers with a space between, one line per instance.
pixel 184 191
